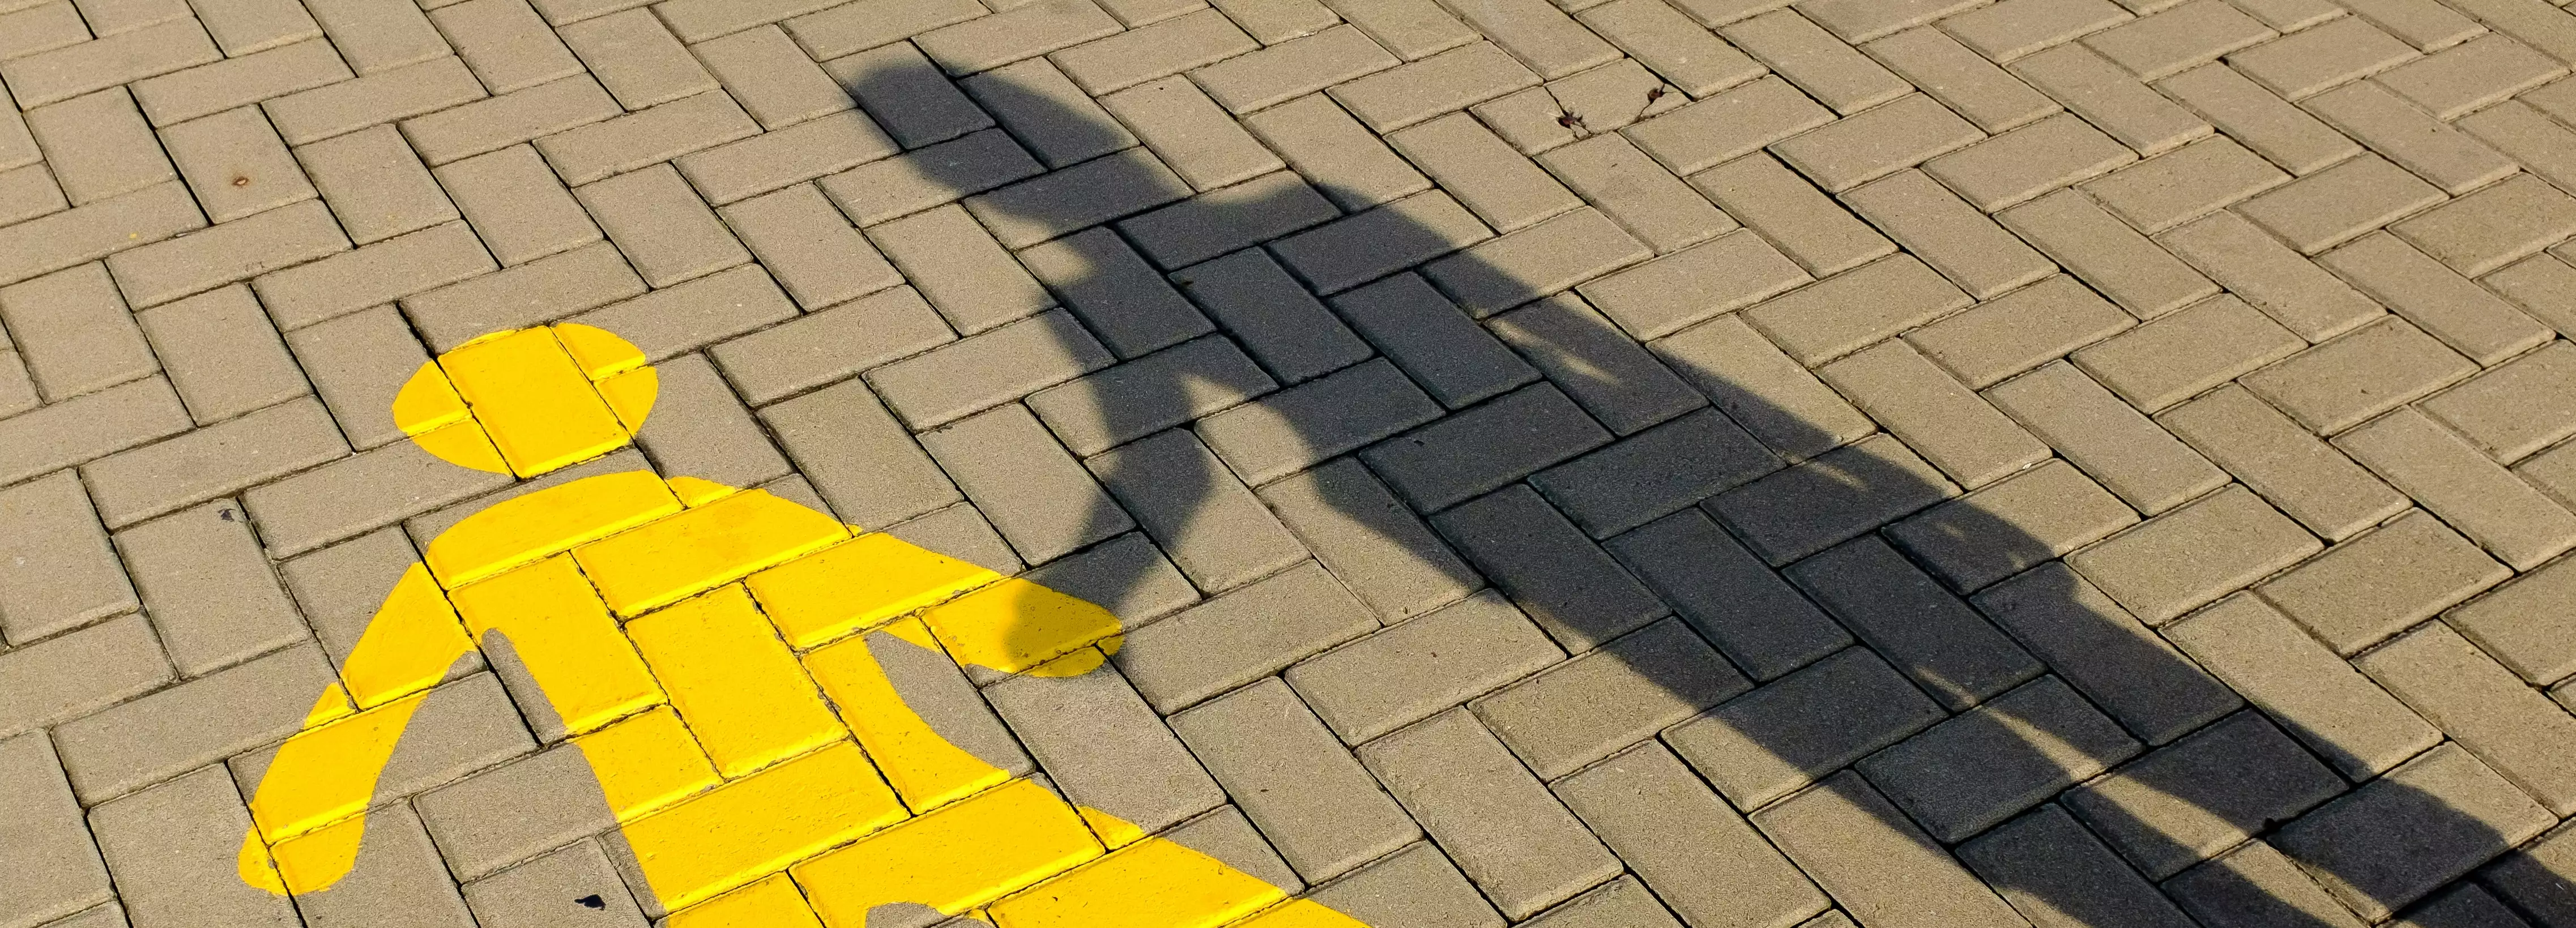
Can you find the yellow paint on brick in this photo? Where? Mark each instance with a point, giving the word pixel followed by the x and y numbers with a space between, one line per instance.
pixel 860 583
pixel 630 396
pixel 695 492
pixel 565 638
pixel 772 902
pixel 539 408
pixel 1153 883
pixel 673 558
pixel 597 352
pixel 954 859
pixel 517 531
pixel 926 769
pixel 733 681
pixel 408 646
pixel 428 402
pixel 757 825
pixel 719 852
pixel 646 761
pixel 1014 625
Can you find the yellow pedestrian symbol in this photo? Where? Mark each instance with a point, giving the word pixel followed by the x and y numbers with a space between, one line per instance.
pixel 714 654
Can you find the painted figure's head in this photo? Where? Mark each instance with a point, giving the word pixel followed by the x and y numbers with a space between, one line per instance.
pixel 528 401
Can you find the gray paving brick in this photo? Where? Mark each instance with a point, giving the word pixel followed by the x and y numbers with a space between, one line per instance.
pixel 1845 312
pixel 906 95
pixel 846 28
pixel 2050 869
pixel 771 77
pixel 375 185
pixel 830 344
pixel 2168 565
pixel 1832 497
pixel 1119 297
pixel 2477 701
pixel 1035 29
pixel 516 204
pixel 1381 241
pixel 1601 99
pixel 637 59
pixel 2531 876
pixel 2307 478
pixel 2334 205
pixel 1275 22
pixel 377 36
pixel 1276 319
pixel 1538 261
pixel 207 588
pixel 598 148
pixel 1125 183
pixel 1484 448
pixel 509 813
pixel 339 588
pixel 1105 748
pixel 661 227
pixel 405 877
pixel 54 869
pixel 2359 728
pixel 1417 885
pixel 74 236
pixel 959 531
pixel 62 573
pixel 221 353
pixel 2506 624
pixel 393 269
pixel 357 363
pixel 176 849
pixel 2448 476
pixel 809 247
pixel 2465 905
pixel 356 494
pixel 1120 403
pixel 1970 773
pixel 514 118
pixel 2152 690
pixel 1761 388
pixel 1163 48
pixel 2376 584
pixel 2034 516
pixel 1043 108
pixel 1296 67
pixel 1935 638
pixel 1873 144
pixel 1602 368
pixel 1232 218
pixel 1589 707
pixel 1379 550
pixel 1860 849
pixel 237 250
pixel 1419 667
pixel 1458 362
pixel 1126 575
pixel 2020 330
pixel 505 43
pixel 133 55
pixel 1220 535
pixel 459 727
pixel 532 893
pixel 1786 733
pixel 72 675
pixel 1622 901
pixel 1934 414
pixel 229 83
pixel 1701 856
pixel 992 367
pixel 1037 496
pixel 2252 881
pixel 223 458
pixel 700 429
pixel 1728 595
pixel 195 723
pixel 1655 472
pixel 1517 842
pixel 2454 811
pixel 89 426
pixel 1353 167
pixel 98 146
pixel 1498 184
pixel 382 96
pixel 939 174
pixel 1568 585
pixel 1435 84
pixel 2198 796
pixel 2471 320
pixel 1670 293
pixel 1227 836
pixel 1296 428
pixel 2145 279
pixel 74 332
pixel 1304 790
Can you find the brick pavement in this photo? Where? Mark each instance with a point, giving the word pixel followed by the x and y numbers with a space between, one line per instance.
pixel 1629 463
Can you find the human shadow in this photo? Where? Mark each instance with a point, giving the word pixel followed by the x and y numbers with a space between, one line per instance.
pixel 1859 609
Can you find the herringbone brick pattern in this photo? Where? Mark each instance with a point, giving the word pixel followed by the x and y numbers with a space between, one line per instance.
pixel 1628 463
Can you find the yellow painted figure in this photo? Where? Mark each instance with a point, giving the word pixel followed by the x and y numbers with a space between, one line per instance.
pixel 715 654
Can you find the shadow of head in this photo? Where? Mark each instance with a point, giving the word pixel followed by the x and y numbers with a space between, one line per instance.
pixel 1324 388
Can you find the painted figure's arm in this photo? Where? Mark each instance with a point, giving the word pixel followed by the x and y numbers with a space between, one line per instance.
pixel 306 814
